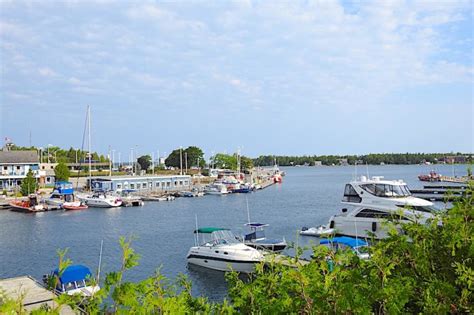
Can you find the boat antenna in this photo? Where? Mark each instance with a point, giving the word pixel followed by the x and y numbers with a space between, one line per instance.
pixel 248 210
pixel 100 260
pixel 196 239
pixel 89 143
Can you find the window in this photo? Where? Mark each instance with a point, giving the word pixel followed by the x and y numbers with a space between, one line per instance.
pixel 370 213
pixel 119 186
pixel 175 183
pixel 18 167
pixel 350 195
pixel 132 186
pixel 5 168
pixel 180 183
pixel 168 184
pixel 144 185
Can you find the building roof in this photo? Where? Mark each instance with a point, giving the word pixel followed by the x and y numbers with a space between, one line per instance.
pixel 12 157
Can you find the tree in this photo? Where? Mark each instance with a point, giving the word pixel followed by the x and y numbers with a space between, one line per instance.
pixel 193 153
pixel 226 161
pixel 29 184
pixel 61 172
pixel 246 163
pixel 144 161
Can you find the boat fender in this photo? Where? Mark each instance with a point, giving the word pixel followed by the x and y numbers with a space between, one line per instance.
pixel 374 226
pixel 331 225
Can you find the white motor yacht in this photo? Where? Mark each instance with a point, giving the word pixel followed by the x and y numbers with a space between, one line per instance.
pixel 101 200
pixel 220 250
pixel 216 189
pixel 370 203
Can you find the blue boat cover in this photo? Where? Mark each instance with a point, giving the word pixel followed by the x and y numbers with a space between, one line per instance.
pixel 73 273
pixel 64 188
pixel 346 240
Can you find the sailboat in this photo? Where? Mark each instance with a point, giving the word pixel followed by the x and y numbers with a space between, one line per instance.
pixel 97 199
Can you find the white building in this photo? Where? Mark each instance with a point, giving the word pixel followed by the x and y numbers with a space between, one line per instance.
pixel 14 166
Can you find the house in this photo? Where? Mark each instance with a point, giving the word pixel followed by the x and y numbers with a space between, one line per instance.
pixel 15 165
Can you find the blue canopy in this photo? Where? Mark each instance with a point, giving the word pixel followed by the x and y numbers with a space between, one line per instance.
pixel 346 240
pixel 64 188
pixel 73 273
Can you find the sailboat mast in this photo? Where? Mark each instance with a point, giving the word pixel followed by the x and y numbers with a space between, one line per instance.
pixel 89 142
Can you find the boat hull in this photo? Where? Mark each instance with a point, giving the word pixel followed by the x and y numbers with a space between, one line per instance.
pixel 222 264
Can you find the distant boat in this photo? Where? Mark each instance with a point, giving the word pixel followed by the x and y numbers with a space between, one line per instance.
pixel 101 200
pixel 216 189
pixel 431 177
pixel 356 245
pixel 72 280
pixel 63 197
pixel 31 205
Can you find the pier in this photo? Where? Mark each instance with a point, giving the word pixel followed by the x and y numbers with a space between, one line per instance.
pixel 32 294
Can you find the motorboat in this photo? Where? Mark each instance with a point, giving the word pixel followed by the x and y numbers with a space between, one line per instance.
pixel 74 279
pixel 243 189
pixel 129 199
pixel 216 189
pixel 370 203
pixel 356 245
pixel 32 204
pixel 101 199
pixel 219 249
pixel 63 197
pixel 431 177
pixel 256 238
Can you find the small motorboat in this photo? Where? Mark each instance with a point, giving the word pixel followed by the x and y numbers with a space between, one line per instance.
pixel 32 204
pixel 220 250
pixel 75 279
pixel 317 231
pixel 256 238
pixel 129 199
pixel 216 189
pixel 431 177
pixel 69 206
pixel 357 245
pixel 101 199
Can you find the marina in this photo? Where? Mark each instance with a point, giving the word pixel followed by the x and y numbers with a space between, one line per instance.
pixel 308 196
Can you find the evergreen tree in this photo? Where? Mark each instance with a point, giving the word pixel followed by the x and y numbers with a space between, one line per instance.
pixel 29 184
pixel 61 172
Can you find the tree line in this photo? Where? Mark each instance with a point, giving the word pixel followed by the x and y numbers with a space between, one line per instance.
pixel 373 158
pixel 56 154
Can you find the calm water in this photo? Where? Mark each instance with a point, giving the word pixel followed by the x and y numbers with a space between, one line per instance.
pixel 163 231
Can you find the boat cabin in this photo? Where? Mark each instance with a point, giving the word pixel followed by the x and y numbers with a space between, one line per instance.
pixel 257 233
pixel 73 278
pixel 63 188
pixel 211 236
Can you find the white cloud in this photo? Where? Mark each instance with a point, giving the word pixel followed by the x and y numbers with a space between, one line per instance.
pixel 47 72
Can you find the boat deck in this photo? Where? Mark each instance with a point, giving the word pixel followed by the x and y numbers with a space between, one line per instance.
pixel 32 293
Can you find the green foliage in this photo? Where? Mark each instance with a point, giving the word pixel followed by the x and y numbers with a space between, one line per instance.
pixel 144 161
pixel 61 172
pixel 226 161
pixel 387 158
pixel 194 154
pixel 29 185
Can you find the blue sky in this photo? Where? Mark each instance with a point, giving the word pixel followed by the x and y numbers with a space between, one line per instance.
pixel 270 77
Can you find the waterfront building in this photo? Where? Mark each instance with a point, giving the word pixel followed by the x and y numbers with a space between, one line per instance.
pixel 142 183
pixel 15 165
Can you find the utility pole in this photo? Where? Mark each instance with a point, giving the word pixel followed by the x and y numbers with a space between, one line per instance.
pixel 181 160
pixel 153 163
pixel 186 161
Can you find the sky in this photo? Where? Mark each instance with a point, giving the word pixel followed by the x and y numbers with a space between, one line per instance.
pixel 268 77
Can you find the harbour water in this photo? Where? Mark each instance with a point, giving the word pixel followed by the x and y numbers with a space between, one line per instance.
pixel 164 230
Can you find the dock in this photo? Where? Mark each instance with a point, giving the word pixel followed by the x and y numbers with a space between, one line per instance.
pixel 439 192
pixel 284 260
pixel 32 294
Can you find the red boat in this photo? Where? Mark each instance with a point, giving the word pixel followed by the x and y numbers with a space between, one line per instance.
pixel 30 205
pixel 431 177
pixel 74 207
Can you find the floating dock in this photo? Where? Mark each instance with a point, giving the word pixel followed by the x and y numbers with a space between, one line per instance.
pixel 32 294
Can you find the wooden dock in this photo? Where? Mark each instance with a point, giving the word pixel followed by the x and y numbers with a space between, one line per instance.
pixel 32 294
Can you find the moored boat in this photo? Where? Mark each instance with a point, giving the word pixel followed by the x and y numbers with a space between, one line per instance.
pixel 101 200
pixel 32 204
pixel 220 250
pixel 74 279
pixel 63 196
pixel 257 239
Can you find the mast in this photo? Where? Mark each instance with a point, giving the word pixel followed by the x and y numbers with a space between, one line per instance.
pixel 89 143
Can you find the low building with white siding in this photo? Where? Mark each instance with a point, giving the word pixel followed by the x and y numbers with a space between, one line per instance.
pixel 142 183
pixel 14 165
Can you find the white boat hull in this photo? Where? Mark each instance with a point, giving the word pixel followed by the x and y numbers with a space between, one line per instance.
pixel 221 265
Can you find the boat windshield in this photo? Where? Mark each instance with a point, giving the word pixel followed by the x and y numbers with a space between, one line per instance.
pixel 386 190
pixel 223 237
